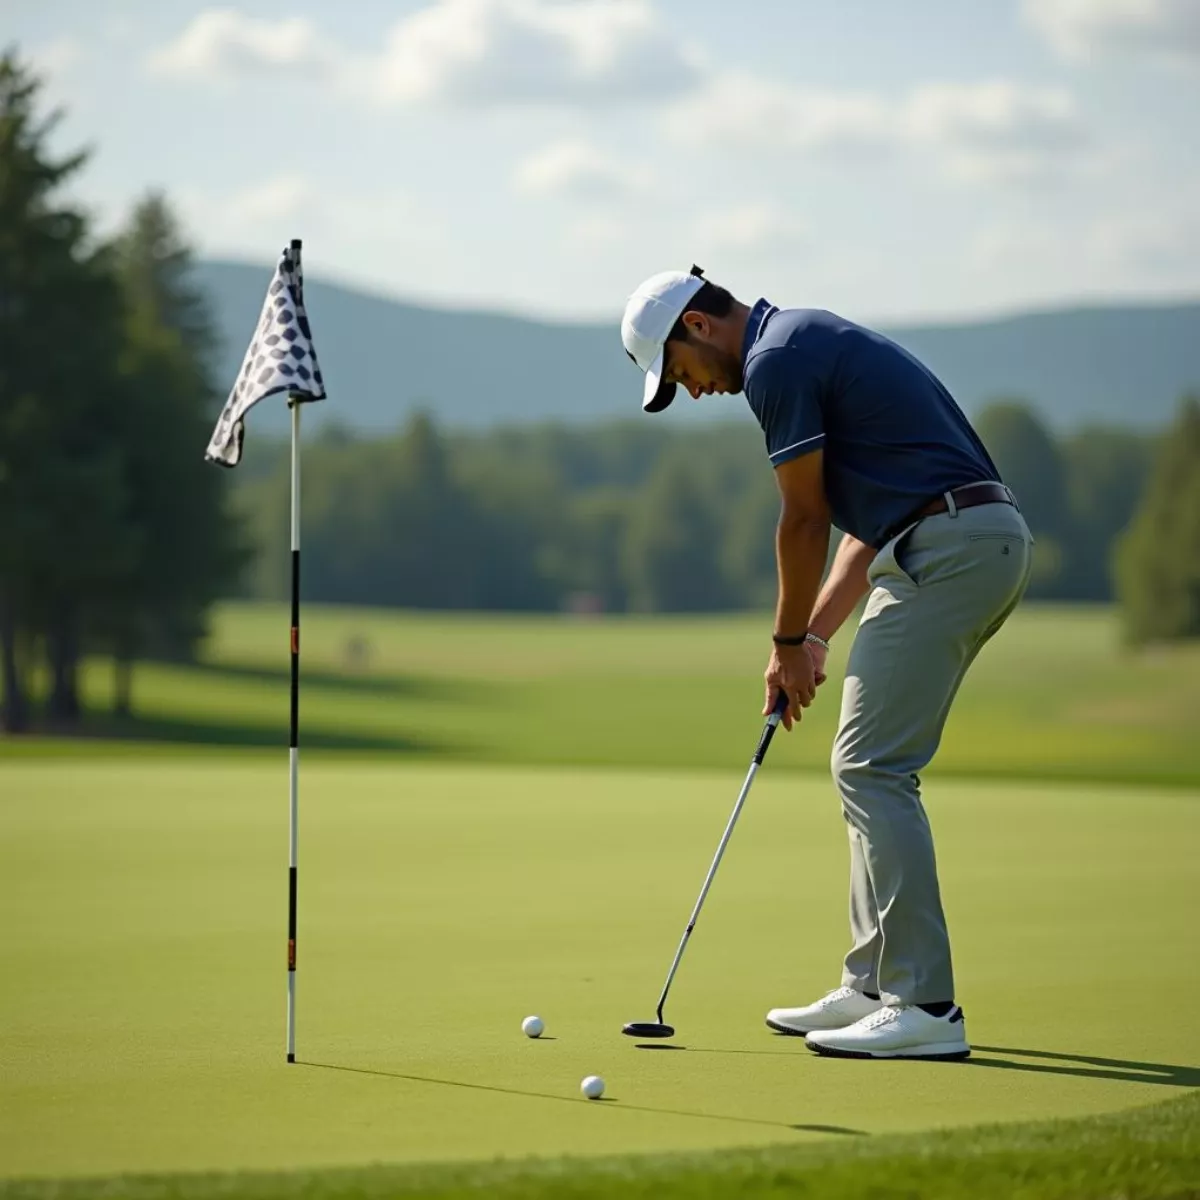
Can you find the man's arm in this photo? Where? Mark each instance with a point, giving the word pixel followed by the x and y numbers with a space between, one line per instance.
pixel 801 546
pixel 845 586
pixel 801 541
pixel 784 395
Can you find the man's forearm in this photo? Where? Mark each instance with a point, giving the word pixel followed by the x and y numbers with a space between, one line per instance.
pixel 845 586
pixel 801 546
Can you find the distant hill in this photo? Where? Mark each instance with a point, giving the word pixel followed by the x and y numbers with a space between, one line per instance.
pixel 382 358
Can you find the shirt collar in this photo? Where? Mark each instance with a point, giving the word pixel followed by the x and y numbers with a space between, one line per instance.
pixel 759 315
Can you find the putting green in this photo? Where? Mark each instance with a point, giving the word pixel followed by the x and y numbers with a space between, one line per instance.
pixel 142 954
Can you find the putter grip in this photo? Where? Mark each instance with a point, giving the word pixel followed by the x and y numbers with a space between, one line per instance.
pixel 764 742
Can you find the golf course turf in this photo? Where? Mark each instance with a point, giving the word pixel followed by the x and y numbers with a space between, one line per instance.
pixel 142 948
pixel 1149 1152
pixel 440 905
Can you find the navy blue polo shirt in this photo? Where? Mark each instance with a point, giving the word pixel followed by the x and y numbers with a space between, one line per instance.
pixel 893 436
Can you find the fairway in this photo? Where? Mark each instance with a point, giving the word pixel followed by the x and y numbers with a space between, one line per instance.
pixel 1054 696
pixel 142 961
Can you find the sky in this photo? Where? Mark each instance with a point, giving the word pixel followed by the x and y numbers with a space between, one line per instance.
pixel 895 162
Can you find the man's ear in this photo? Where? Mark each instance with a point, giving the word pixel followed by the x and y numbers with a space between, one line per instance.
pixel 698 323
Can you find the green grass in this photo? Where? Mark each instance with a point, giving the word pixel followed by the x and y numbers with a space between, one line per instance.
pixel 1054 697
pixel 141 979
pixel 465 861
pixel 1151 1152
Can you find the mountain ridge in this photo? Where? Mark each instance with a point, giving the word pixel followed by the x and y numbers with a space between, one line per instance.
pixel 382 358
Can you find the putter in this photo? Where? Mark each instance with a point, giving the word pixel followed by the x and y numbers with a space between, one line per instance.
pixel 659 1028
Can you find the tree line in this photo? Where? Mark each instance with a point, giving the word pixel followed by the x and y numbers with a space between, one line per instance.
pixel 116 537
pixel 638 517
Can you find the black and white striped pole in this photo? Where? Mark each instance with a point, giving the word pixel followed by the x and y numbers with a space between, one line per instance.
pixel 294 402
pixel 294 735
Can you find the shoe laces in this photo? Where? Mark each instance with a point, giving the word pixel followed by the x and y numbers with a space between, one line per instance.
pixel 842 993
pixel 881 1016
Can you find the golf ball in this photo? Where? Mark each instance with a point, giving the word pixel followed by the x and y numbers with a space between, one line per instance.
pixel 592 1087
pixel 532 1027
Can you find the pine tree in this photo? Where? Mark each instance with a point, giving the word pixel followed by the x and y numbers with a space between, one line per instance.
pixel 190 546
pixel 64 538
pixel 1158 559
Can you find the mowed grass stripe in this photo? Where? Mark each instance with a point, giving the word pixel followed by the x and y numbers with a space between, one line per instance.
pixel 141 962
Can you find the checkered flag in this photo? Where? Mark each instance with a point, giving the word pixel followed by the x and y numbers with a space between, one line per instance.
pixel 281 358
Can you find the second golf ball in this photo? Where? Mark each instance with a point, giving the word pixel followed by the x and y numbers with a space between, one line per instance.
pixel 592 1087
pixel 532 1027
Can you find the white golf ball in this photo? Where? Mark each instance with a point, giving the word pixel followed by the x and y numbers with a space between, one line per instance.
pixel 592 1087
pixel 532 1027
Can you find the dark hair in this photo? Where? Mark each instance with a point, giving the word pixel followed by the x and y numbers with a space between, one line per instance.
pixel 712 300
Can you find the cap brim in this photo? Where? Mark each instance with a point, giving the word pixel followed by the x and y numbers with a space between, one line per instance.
pixel 659 392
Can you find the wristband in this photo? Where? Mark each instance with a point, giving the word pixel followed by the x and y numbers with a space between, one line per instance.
pixel 790 641
pixel 818 640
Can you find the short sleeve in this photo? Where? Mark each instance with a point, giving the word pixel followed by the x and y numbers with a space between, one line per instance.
pixel 785 402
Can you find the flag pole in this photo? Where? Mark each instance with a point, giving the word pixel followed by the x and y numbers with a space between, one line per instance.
pixel 294 733
pixel 281 358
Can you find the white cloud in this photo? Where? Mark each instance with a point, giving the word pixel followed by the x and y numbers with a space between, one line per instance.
pixel 478 52
pixel 576 170
pixel 993 130
pixel 1115 249
pixel 464 53
pixel 749 228
pixel 283 198
pixel 1082 28
pixel 222 43
pixel 270 211
pixel 738 109
pixel 1163 247
pixel 260 213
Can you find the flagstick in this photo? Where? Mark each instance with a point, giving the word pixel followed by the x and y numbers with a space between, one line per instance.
pixel 294 740
pixel 267 371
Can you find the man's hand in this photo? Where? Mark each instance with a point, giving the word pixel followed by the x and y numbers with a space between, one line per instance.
pixel 792 669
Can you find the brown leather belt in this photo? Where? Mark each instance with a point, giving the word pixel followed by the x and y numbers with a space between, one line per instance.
pixel 968 496
pixel 985 491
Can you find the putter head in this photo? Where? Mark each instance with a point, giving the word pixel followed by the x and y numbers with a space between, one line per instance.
pixel 648 1029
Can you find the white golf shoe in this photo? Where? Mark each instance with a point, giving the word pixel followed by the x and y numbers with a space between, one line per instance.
pixel 896 1031
pixel 839 1008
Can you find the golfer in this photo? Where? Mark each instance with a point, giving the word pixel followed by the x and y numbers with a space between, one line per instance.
pixel 864 437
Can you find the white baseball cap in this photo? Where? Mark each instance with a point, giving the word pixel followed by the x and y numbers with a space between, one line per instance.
pixel 650 315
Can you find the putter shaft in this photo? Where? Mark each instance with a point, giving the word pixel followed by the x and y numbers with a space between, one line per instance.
pixel 764 743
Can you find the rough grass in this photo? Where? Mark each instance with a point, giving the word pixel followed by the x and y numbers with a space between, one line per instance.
pixel 1152 1152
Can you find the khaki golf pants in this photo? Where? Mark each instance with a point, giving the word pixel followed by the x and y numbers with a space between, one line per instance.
pixel 939 591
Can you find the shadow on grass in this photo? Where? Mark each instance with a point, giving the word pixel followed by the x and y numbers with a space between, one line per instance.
pixel 798 1052
pixel 612 1101
pixel 196 733
pixel 410 687
pixel 1086 1066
